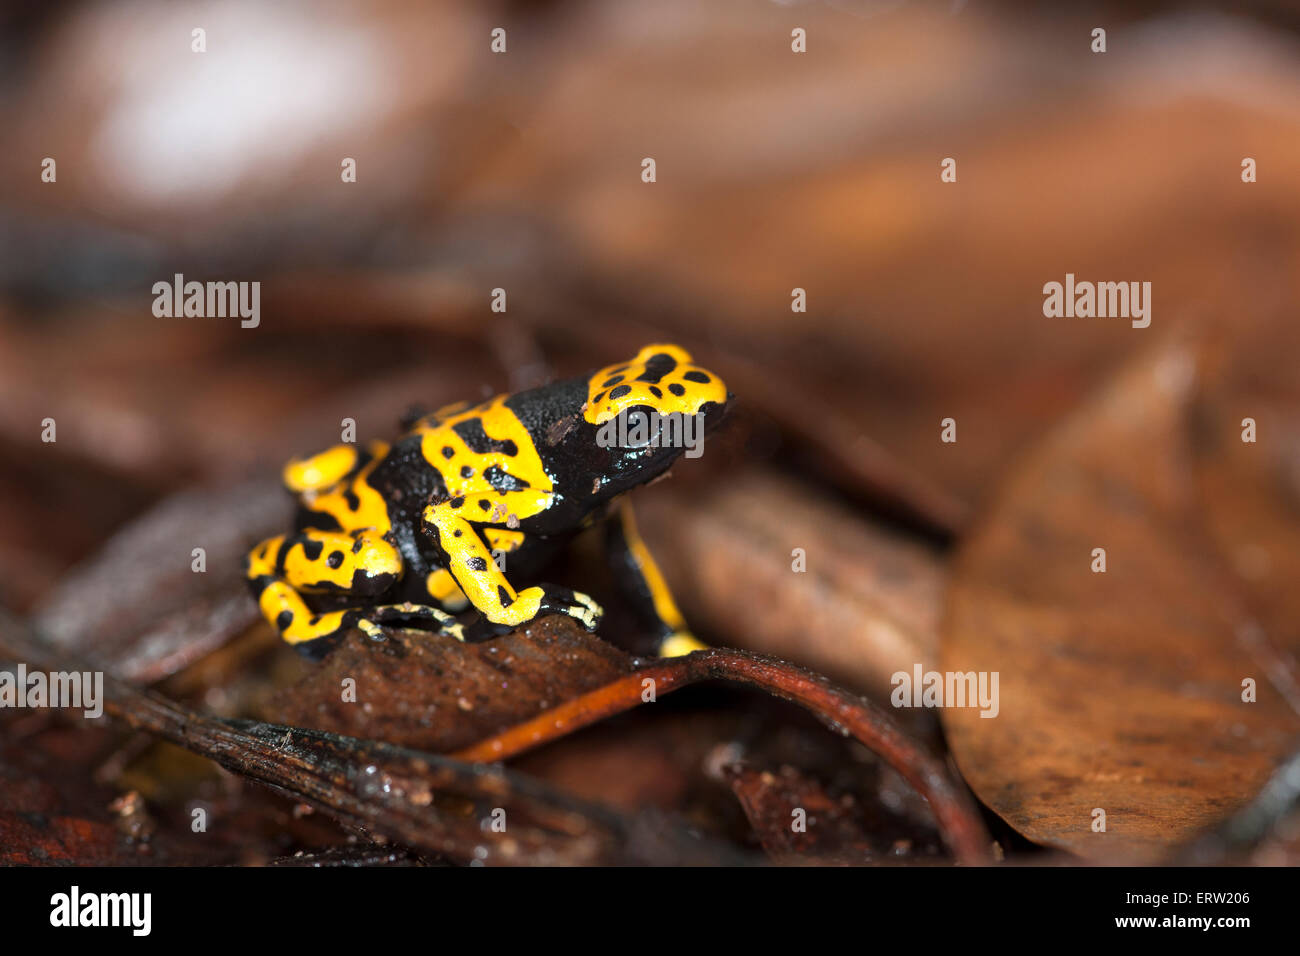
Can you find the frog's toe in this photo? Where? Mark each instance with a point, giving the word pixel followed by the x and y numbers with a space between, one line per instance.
pixel 586 611
pixel 680 643
pixel 420 616
pixel 574 604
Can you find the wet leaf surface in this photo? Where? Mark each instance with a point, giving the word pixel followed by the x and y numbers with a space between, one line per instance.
pixel 437 694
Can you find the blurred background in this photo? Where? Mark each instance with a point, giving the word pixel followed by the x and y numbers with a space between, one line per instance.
pixel 521 170
pixel 478 170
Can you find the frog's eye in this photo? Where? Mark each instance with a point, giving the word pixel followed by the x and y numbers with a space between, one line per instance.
pixel 631 429
pixel 640 427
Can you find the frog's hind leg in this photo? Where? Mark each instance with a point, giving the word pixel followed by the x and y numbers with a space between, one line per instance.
pixel 306 476
pixel 643 583
pixel 282 605
pixel 360 565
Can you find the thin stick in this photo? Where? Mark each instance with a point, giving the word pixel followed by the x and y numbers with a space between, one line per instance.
pixel 959 822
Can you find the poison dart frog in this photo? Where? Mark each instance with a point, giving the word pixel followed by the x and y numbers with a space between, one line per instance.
pixel 410 532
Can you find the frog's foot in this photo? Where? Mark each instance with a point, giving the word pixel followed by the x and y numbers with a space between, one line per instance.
pixel 368 620
pixel 281 602
pixel 471 562
pixel 553 600
pixel 643 584
pixel 531 603
pixel 574 604
pixel 679 644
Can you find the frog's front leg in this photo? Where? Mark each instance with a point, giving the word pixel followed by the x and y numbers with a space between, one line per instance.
pixel 471 563
pixel 362 564
pixel 643 583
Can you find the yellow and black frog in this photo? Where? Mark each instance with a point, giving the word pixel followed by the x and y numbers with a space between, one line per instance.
pixel 416 531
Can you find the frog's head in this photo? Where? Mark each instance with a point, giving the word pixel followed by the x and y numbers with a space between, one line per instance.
pixel 661 379
pixel 647 411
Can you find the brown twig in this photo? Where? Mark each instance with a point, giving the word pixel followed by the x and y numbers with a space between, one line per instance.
pixel 959 822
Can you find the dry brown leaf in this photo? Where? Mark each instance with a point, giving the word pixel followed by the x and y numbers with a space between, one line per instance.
pixel 1120 691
